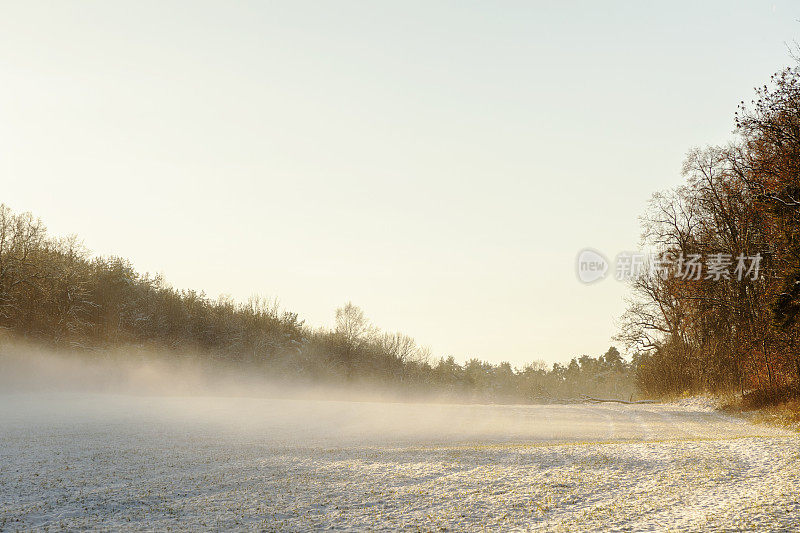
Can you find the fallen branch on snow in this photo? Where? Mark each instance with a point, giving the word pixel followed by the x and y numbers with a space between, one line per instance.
pixel 609 400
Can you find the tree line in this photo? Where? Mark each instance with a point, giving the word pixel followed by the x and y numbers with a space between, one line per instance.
pixel 718 331
pixel 52 290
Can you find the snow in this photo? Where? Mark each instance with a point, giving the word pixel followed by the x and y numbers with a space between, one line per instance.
pixel 699 403
pixel 103 461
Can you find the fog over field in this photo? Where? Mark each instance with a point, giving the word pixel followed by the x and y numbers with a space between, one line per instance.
pixel 399 266
pixel 75 453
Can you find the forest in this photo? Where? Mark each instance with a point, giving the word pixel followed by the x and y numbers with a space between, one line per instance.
pixel 53 291
pixel 727 333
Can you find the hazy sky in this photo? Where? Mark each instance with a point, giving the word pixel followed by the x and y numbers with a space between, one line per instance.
pixel 440 164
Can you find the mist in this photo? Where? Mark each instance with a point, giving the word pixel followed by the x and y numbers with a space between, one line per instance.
pixel 30 367
pixel 139 388
pixel 134 387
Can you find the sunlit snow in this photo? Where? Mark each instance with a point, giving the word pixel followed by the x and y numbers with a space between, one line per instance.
pixel 70 460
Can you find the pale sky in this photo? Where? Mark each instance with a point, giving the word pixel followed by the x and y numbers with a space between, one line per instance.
pixel 440 164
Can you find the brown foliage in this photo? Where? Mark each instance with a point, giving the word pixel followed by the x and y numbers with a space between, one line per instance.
pixel 741 199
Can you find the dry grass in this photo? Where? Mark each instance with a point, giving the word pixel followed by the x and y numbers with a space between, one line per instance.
pixel 776 408
pixel 786 414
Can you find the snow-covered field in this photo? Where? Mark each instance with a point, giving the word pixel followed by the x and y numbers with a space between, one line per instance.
pixel 114 462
